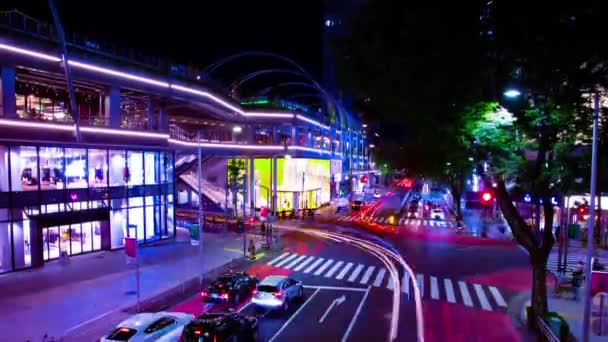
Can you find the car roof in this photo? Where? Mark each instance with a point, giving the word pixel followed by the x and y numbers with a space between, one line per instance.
pixel 272 280
pixel 145 318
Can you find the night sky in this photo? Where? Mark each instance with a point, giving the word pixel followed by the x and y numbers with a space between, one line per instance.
pixel 194 34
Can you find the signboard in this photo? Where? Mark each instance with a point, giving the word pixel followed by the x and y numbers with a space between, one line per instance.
pixel 131 247
pixel 599 282
pixel 194 235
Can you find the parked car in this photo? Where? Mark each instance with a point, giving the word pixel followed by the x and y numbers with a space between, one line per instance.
pixel 159 326
pixel 229 288
pixel 221 326
pixel 437 214
pixel 342 204
pixel 277 292
pixel 356 205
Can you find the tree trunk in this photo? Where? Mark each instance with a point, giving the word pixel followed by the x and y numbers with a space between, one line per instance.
pixel 456 196
pixel 539 289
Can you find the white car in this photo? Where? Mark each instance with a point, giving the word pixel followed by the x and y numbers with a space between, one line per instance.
pixel 277 292
pixel 437 214
pixel 159 326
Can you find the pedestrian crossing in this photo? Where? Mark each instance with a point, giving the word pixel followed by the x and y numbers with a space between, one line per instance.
pixel 432 287
pixel 401 222
pixel 552 262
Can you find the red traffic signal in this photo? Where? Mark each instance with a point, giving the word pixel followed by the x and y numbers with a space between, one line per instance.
pixel 486 197
pixel 364 179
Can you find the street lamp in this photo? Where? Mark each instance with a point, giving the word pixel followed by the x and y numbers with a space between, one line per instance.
pixel 512 93
pixel 372 145
pixel 237 129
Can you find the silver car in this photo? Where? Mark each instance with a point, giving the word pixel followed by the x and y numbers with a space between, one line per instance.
pixel 277 292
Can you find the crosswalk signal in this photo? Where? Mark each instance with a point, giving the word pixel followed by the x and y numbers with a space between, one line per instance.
pixel 486 197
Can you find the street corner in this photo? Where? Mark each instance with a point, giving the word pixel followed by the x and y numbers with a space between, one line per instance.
pixel 325 313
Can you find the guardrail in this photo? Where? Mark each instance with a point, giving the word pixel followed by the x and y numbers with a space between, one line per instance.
pixel 547 333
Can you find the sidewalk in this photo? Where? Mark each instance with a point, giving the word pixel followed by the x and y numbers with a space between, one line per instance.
pixel 57 297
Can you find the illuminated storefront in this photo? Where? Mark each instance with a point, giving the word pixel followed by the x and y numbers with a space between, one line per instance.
pixel 302 182
pixel 79 200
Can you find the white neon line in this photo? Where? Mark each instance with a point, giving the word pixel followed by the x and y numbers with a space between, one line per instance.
pixel 344 271
pixel 306 262
pixel 449 290
pixel 497 296
pixel 293 263
pixel 483 300
pixel 302 148
pixel 277 258
pixel 379 277
pixel 293 316
pixel 311 121
pixel 286 260
pixel 420 281
pixel 466 297
pixel 333 269
pixel 30 53
pixel 367 275
pixel 123 132
pixel 120 74
pixel 268 115
pixel 234 146
pixel 434 288
pixel 352 322
pixel 338 288
pixel 315 264
pixel 355 273
pixel 208 95
pixel 324 267
pixel 28 124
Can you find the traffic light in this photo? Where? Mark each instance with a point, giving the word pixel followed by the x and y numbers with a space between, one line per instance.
pixel 364 179
pixel 486 197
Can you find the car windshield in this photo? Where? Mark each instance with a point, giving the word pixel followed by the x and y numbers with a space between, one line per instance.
pixel 223 281
pixel 122 334
pixel 267 288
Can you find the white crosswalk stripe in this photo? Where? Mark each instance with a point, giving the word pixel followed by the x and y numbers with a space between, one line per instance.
pixel 464 292
pixel 286 260
pixel 293 263
pixel 488 297
pixel 324 267
pixel 379 277
pixel 401 221
pixel 355 273
pixel 449 290
pixel 497 296
pixel 314 264
pixel 483 300
pixel 368 273
pixel 333 269
pixel 306 262
pixel 273 261
pixel 344 271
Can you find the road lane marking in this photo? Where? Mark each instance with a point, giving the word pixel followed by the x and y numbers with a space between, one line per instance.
pixel 277 258
pixel 293 263
pixel 420 281
pixel 324 266
pixel 337 288
pixel 464 291
pixel 314 264
pixel 405 283
pixel 497 296
pixel 294 315
pixel 355 273
pixel 344 271
pixel 449 290
pixel 333 269
pixel 367 275
pixel 355 316
pixel 286 260
pixel 483 300
pixel 434 288
pixel 379 277
pixel 306 262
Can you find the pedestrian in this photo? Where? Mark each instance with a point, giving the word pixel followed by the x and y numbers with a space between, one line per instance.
pixel 577 279
pixel 251 250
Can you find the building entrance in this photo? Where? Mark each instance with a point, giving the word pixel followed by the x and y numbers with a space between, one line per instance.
pixel 76 238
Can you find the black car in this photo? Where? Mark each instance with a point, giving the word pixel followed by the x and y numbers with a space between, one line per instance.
pixel 220 327
pixel 230 288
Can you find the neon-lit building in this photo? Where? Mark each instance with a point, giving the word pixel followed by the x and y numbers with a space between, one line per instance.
pixel 131 160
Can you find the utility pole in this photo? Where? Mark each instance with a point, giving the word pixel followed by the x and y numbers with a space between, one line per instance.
pixel 200 190
pixel 591 222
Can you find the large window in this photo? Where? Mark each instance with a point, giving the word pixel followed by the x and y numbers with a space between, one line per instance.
pixel 51 168
pixel 98 168
pixel 118 168
pixel 76 167
pixel 135 168
pixel 151 165
pixel 24 164
pixel 5 247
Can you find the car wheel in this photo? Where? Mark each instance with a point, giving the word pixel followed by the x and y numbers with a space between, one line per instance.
pixel 285 306
pixel 301 293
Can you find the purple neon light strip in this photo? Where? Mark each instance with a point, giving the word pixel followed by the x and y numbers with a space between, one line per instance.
pixel 57 127
pixel 269 115
pixel 235 146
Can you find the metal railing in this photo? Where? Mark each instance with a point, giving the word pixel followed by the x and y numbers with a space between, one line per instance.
pixel 547 333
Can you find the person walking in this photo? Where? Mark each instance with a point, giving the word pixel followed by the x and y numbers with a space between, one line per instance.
pixel 577 279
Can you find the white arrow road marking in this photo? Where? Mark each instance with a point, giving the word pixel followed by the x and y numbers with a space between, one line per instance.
pixel 449 290
pixel 498 297
pixel 336 302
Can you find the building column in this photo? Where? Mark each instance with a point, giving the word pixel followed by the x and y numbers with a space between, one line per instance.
pixel 150 116
pixel 295 133
pixel 251 184
pixel 8 101
pixel 163 119
pixel 274 185
pixel 275 135
pixel 112 107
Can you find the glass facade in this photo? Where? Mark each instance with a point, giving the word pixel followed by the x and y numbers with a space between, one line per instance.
pixel 41 185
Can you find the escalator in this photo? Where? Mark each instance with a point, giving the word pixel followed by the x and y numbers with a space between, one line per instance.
pixel 214 196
